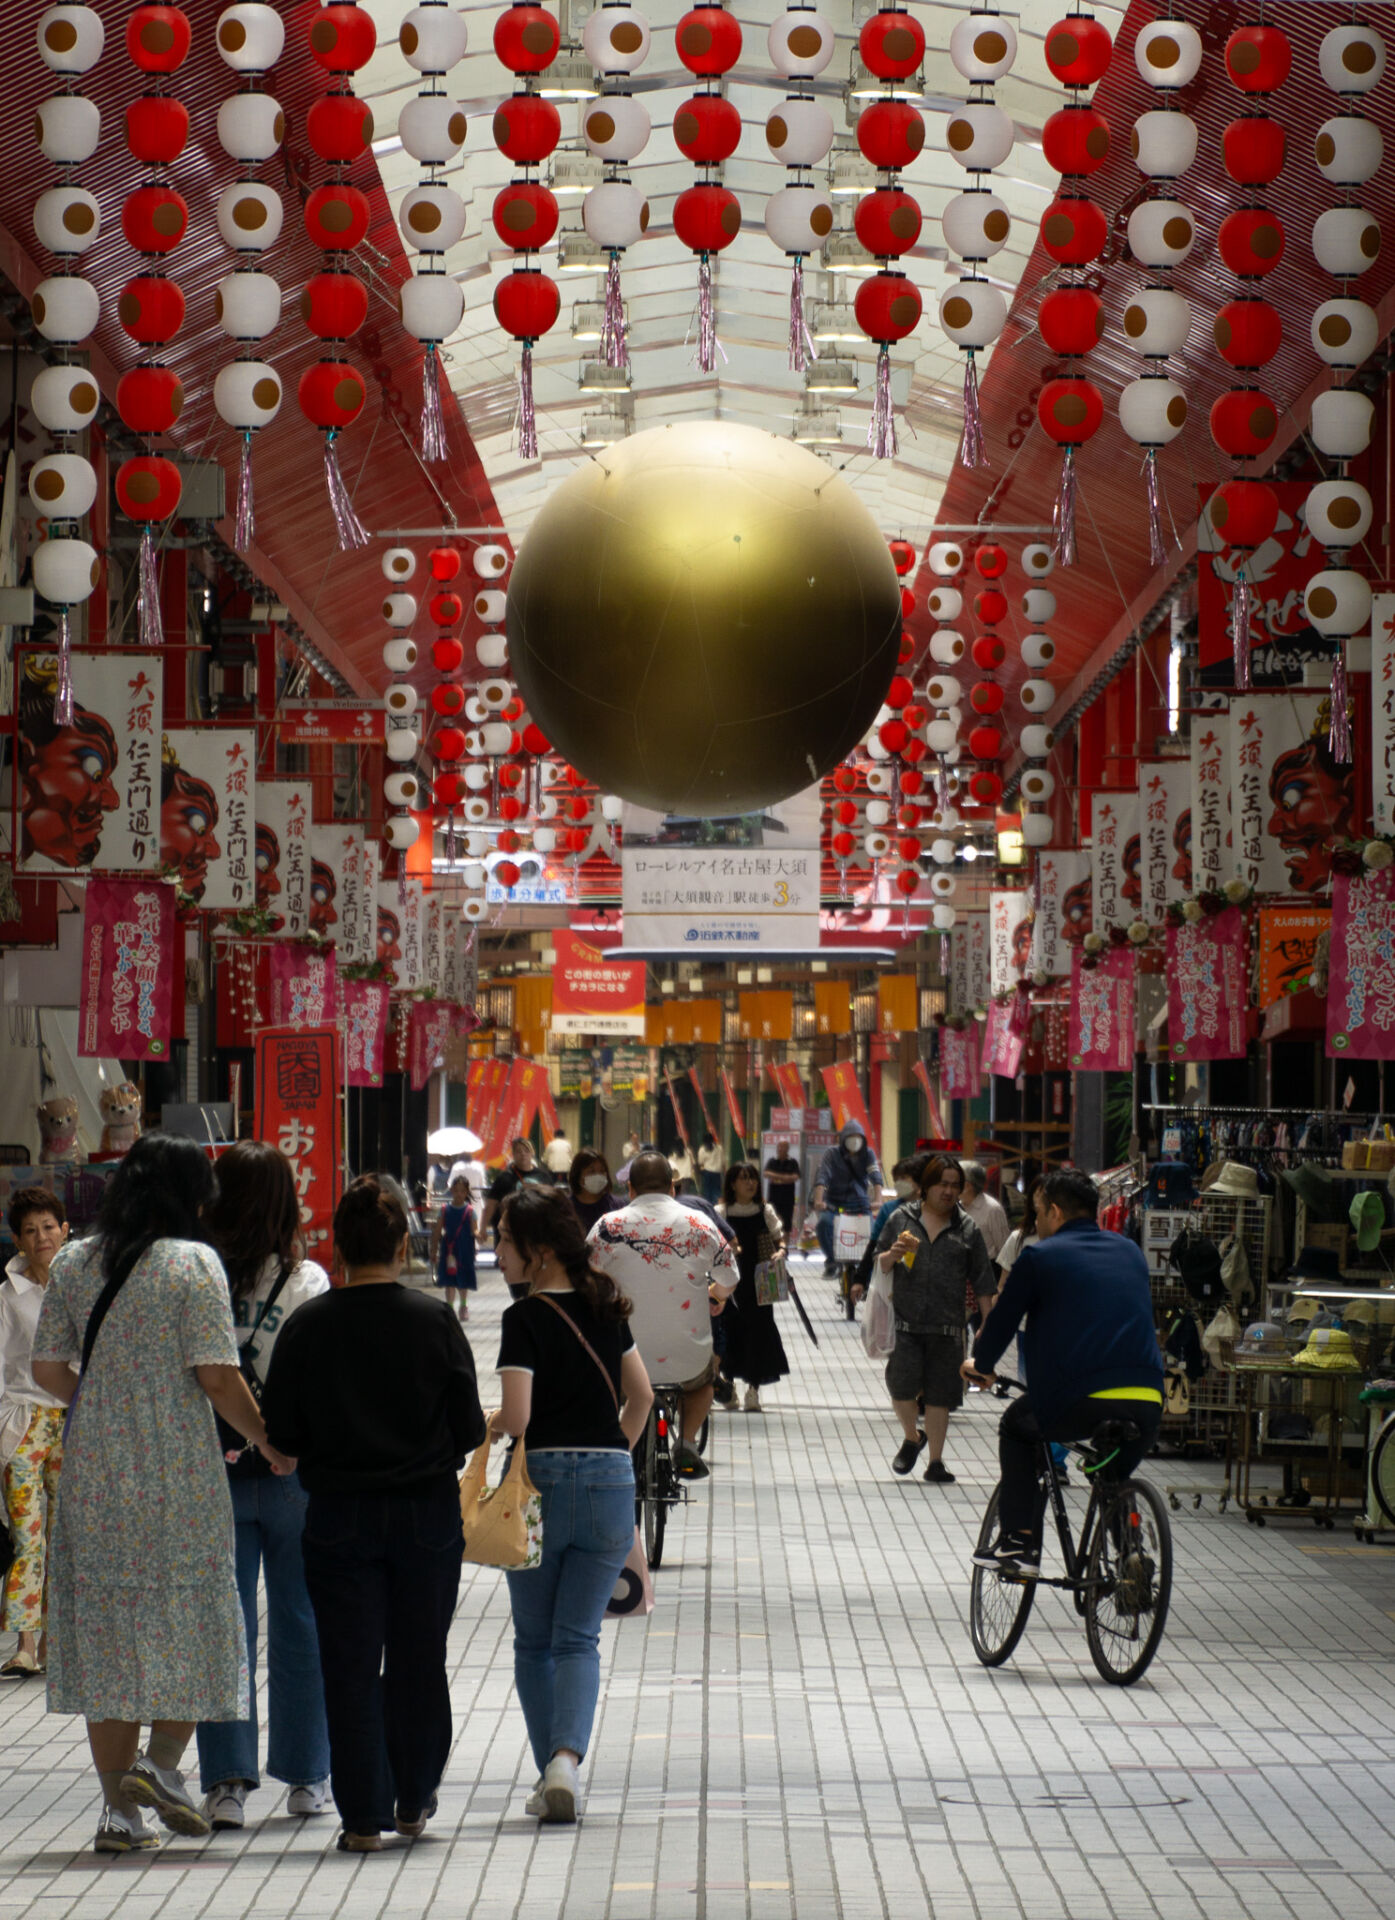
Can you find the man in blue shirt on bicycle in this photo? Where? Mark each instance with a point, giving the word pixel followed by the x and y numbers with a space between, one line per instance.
pixel 1089 1349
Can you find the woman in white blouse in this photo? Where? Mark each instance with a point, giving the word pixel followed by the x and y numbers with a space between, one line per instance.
pixel 754 1351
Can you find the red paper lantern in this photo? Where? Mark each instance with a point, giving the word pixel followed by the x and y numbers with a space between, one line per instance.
pixel 1075 140
pixel 513 711
pixel 708 40
pixel 450 743
pixel 445 609
pixel 892 44
pixel 445 563
pixel 1078 50
pixel 1248 332
pixel 158 38
pixel 510 777
pixel 151 308
pixel 1253 149
pixel 510 807
pixel 338 126
pixel 156 129
pixel 909 818
pixel 990 606
pixel 986 742
pixel 1071 320
pixel 988 653
pixel 887 222
pixel 913 751
pixel 902 555
pixel 1258 58
pixel 707 128
pixel 343 38
pixel 506 873
pixel 907 603
pixel 912 781
pixel 845 780
pixel 154 218
pixel 1070 411
pixel 908 881
pixel 707 217
pixel 842 844
pixel 334 305
pixel 985 787
pixel 1244 513
pixel 1251 241
pixel 331 394
pixel 578 807
pixel 447 656
pixel 887 306
pixel 526 303
pixel 1074 230
pixel 535 740
pixel 336 215
pixel 525 215
pixel 890 133
pixel 991 562
pixel 986 696
pixel 1243 423
pixel 447 700
pixel 148 487
pixel 150 399
pixel 574 779
pixel 448 789
pixel 906 650
pixel 898 694
pixel 526 129
pixel 845 813
pixel 526 39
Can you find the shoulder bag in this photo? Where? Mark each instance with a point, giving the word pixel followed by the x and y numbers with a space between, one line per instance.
pixel 503 1524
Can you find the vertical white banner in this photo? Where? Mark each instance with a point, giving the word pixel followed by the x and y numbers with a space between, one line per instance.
pixel 1165 836
pixel 1115 860
pixel 1212 865
pixel 1009 939
pixel 1063 880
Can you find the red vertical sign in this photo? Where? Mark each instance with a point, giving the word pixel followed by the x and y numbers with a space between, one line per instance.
pixel 733 1106
pixel 702 1104
pixel 677 1113
pixel 128 968
pixel 298 1111
pixel 937 1125
pixel 845 1098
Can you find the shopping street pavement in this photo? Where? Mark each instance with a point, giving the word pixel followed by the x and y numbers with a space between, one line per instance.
pixel 801 1728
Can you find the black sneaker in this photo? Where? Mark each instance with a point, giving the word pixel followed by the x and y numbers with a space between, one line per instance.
pixel 939 1472
pixel 724 1391
pixel 907 1454
pixel 1017 1553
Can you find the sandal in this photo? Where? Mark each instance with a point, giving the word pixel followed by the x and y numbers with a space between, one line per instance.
pixel 20 1666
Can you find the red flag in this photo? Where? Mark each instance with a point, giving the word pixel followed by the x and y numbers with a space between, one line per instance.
pixel 845 1098
pixel 298 1111
pixel 128 968
pixel 677 1112
pixel 937 1125
pixel 433 1022
pixel 733 1106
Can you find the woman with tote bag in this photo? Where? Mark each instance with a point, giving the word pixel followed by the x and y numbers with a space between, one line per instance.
pixel 575 1388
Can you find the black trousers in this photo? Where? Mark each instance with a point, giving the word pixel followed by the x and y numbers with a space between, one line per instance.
pixel 383 1572
pixel 1020 1433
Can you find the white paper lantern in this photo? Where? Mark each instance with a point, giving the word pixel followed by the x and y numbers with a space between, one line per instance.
pixel 878 813
pixel 67 219
pixel 477 779
pixel 1038 560
pixel 976 224
pixel 947 647
pixel 1348 149
pixel 477 845
pixel 945 558
pixel 1038 605
pixel 943 885
pixel 476 810
pixel 400 830
pixel 432 305
pixel 879 779
pixel 612 807
pixel 942 852
pixel 1342 421
pixel 65 399
pixel 65 571
pixel 247 394
pixel 876 845
pixel 432 129
pixel 432 217
pixel 941 735
pixel 251 126
pixel 247 305
pixel 1168 53
pixel 943 691
pixel 400 700
pixel 945 603
pixel 799 132
pixel 401 743
pixel 943 916
pixel 490 605
pixel 983 47
pixel 1344 332
pixel 67 128
pixel 799 219
pixel 476 712
pixel 250 36
pixel 1037 696
pixel 65 309
pixel 497 738
pixel 1338 513
pixel 1037 742
pixel 973 313
pixel 494 694
pixel 800 44
pixel 492 650
pixel 399 563
pixel 1152 411
pixel 615 214
pixel 1163 144
pixel 70 39
pixel 475 909
pixel 249 216
pixel 980 136
pixel 1036 829
pixel 615 127
pixel 490 563
pixel 63 485
pixel 1161 233
pixel 544 839
pixel 1038 650
pixel 1338 602
pixel 549 807
pixel 399 656
pixel 402 789
pixel 433 39
pixel 1351 59
pixel 1346 240
pixel 616 39
pixel 1038 784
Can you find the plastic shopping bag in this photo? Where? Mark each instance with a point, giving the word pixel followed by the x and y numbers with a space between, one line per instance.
pixel 878 1317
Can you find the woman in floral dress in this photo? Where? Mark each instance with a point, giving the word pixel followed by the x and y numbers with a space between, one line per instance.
pixel 144 1622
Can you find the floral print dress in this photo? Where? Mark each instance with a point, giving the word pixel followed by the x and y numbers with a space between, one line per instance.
pixel 144 1621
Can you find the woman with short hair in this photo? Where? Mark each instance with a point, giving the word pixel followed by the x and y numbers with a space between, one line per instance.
pixel 591 1187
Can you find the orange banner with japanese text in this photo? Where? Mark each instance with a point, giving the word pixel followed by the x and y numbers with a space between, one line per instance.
pixel 845 1098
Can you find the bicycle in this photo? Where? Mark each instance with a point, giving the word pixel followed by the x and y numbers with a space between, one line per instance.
pixel 1382 1472
pixel 1119 1572
pixel 658 1483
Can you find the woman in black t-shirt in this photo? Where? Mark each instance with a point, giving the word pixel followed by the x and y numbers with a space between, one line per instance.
pixel 575 1386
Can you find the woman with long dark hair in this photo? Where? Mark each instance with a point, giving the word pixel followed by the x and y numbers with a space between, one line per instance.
pixel 592 1188
pixel 575 1386
pixel 145 1626
pixel 755 1352
pixel 254 1226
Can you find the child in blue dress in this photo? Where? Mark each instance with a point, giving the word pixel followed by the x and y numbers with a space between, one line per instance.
pixel 453 1247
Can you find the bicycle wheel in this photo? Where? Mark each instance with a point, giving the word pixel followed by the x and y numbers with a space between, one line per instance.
pixel 1128 1578
pixel 999 1603
pixel 655 1493
pixel 1383 1471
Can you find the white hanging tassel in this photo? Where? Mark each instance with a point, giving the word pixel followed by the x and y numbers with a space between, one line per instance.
pixel 1339 736
pixel 1157 552
pixel 615 347
pixel 1063 514
pixel 527 415
pixel 881 429
pixel 433 425
pixel 63 693
pixel 350 529
pixel 148 592
pixel 802 348
pixel 1240 631
pixel 971 452
pixel 245 526
pixel 707 321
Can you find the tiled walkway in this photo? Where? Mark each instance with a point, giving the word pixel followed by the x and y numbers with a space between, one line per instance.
pixel 801 1727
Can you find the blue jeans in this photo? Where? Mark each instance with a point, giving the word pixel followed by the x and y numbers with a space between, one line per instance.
pixel 588 1503
pixel 269 1515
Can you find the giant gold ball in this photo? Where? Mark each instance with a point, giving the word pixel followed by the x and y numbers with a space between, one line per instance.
pixel 704 618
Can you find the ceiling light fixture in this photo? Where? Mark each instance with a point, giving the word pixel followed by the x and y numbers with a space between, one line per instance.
pixel 570 77
pixel 573 173
pixel 831 376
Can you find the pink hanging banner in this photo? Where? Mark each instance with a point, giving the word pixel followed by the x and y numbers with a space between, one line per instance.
pixel 128 969
pixel 1101 1012
pixel 365 1011
pixel 304 989
pixel 1001 1052
pixel 433 1023
pixel 1361 975
pixel 959 1068
pixel 1206 987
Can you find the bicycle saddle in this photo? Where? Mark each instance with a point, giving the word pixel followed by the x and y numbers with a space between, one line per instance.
pixel 1105 1444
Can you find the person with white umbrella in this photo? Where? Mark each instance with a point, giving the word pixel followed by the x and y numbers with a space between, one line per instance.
pixel 458 1147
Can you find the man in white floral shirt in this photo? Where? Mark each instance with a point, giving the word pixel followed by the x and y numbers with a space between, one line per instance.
pixel 677 1268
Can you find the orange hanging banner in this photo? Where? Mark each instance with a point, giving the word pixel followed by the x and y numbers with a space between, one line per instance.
pixel 832 1006
pixel 845 1098
pixel 896 1003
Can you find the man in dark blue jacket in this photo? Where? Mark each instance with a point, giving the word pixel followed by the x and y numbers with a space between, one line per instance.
pixel 1089 1352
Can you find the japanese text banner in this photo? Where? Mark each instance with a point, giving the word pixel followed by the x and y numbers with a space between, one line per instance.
pixel 298 1113
pixel 959 1063
pixel 1001 1052
pixel 365 1005
pixel 591 994
pixel 1361 975
pixel 433 1022
pixel 304 989
pixel 1102 1012
pixel 1206 988
pixel 128 969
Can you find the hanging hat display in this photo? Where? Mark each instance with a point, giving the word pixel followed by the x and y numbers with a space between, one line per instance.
pixel 799 133
pixel 890 133
pixel 615 127
pixel 526 131
pixel 707 216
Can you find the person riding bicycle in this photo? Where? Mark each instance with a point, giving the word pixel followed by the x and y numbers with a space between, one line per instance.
pixel 848 1179
pixel 678 1270
pixel 1089 1348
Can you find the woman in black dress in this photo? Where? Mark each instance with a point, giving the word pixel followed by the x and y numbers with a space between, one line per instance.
pixel 754 1350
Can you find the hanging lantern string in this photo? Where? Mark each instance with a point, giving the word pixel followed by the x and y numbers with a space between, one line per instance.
pixel 148 591
pixel 708 345
pixel 527 414
pixel 245 526
pixel 1240 630
pixel 615 346
pixel 63 692
pixel 1157 552
pixel 433 424
pixel 350 529
pixel 1339 736
pixel 971 453
pixel 1063 513
pixel 802 348
pixel 881 428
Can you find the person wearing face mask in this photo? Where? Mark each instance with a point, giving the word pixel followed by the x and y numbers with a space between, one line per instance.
pixel 847 1177
pixel 905 1178
pixel 591 1187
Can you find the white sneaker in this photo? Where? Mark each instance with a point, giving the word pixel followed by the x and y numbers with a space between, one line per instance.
pixel 311 1798
pixel 119 1832
pixel 223 1805
pixel 163 1789
pixel 561 1790
pixel 753 1400
pixel 536 1803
